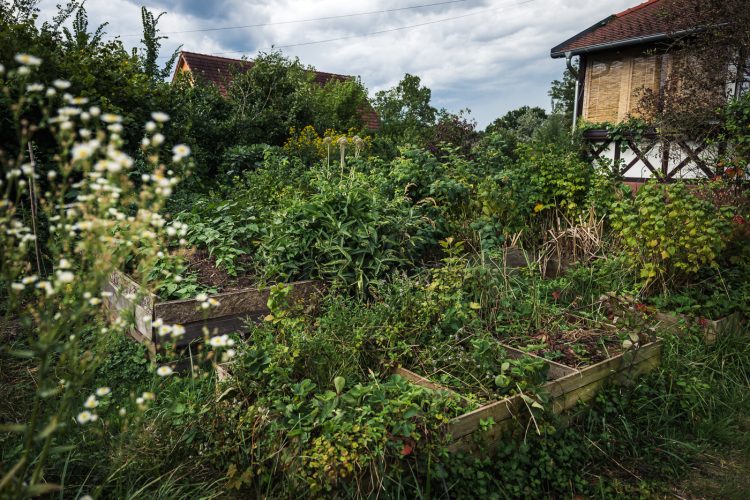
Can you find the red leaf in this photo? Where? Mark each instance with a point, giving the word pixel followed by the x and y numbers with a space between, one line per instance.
pixel 556 294
pixel 406 450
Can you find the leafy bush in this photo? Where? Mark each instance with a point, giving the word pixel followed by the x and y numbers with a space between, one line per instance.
pixel 670 233
pixel 344 231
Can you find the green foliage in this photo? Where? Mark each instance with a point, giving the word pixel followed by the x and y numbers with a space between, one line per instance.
pixel 343 231
pixel 737 133
pixel 670 232
pixel 522 122
pixel 152 44
pixel 562 92
pixel 405 112
pixel 225 229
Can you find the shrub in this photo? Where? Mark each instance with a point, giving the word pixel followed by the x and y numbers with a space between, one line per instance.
pixel 670 232
pixel 344 231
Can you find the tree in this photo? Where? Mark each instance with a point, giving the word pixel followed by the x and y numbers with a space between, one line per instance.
pixel 338 105
pixel 562 93
pixel 151 44
pixel 514 118
pixel 405 112
pixel 522 122
pixel 458 130
pixel 709 55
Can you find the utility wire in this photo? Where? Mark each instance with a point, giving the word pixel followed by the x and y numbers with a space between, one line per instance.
pixel 276 23
pixel 372 33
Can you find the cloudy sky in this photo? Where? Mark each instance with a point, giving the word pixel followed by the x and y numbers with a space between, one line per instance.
pixel 487 55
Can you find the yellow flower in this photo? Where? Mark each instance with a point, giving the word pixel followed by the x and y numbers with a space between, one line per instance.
pixel 538 208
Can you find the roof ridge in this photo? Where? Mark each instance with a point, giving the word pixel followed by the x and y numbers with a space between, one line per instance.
pixel 636 8
pixel 249 61
pixel 215 57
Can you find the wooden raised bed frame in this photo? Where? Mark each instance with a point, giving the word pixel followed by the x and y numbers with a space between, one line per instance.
pixel 567 387
pixel 676 323
pixel 229 316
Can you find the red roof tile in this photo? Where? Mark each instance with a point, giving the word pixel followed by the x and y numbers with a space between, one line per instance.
pixel 219 71
pixel 648 21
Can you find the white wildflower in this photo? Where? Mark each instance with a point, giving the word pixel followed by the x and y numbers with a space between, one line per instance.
pixel 150 126
pixel 64 264
pixel 68 111
pixel 65 276
pixel 28 60
pixel 85 417
pixel 180 151
pixel 160 116
pixel 103 391
pixel 91 402
pixel 164 371
pixel 109 117
pixel 46 286
pixel 178 330
pixel 81 151
pixel 95 111
pixel 61 84
pixel 18 286
pixel 50 92
pixel 157 140
pixel 34 87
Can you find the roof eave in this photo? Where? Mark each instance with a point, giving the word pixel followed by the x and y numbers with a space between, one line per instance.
pixel 557 53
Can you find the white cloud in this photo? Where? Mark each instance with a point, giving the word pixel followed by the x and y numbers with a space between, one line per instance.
pixel 491 62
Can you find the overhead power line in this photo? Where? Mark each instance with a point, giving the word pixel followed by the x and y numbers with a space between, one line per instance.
pixel 372 33
pixel 326 18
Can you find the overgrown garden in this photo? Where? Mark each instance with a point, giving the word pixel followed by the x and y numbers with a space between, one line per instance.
pixel 440 249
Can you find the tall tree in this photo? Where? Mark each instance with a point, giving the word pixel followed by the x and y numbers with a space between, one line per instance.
pixel 523 121
pixel 151 41
pixel 562 92
pixel 405 112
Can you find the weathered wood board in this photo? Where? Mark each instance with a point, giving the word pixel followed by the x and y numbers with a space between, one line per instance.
pixel 230 315
pixel 566 388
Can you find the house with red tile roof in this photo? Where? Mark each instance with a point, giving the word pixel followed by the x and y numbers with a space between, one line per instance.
pixel 219 71
pixel 620 57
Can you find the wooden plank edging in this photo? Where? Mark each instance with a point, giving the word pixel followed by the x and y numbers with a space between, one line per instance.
pixel 564 393
pixel 246 301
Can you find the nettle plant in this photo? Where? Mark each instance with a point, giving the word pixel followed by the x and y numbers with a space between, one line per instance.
pixel 95 220
pixel 670 232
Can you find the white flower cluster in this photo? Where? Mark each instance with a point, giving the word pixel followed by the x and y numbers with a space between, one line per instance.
pixel 206 301
pixel 180 152
pixel 146 396
pixel 175 331
pixel 91 402
pixel 221 341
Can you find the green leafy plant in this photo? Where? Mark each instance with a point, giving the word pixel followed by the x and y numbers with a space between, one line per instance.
pixel 670 232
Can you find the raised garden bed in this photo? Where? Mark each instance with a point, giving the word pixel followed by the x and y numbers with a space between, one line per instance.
pixel 566 387
pixel 230 315
pixel 673 322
